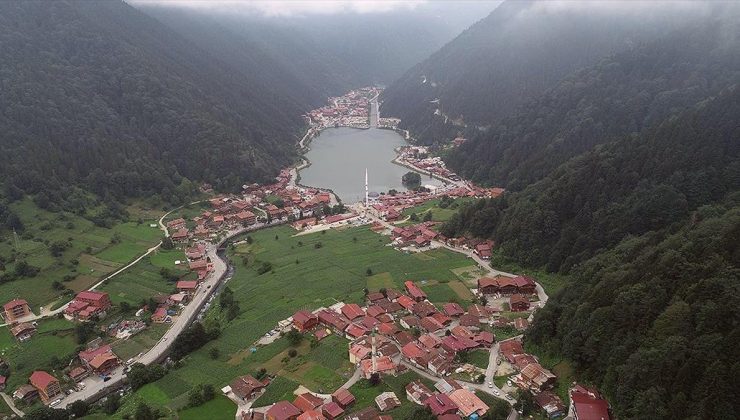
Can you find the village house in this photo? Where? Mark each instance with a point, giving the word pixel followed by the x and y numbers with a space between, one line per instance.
pixel 343 398
pixel 383 365
pixel 176 224
pixel 23 331
pixel 304 321
pixel 333 320
pixel 308 402
pixel 246 217
pixel 511 348
pixel 417 392
pixel 246 387
pixel 453 309
pixel 387 401
pixel 88 304
pixel 352 311
pixel 534 377
pixel 518 303
pixel 332 410
pixel 414 291
pixel 311 415
pixel 26 393
pixel 282 410
pixel 440 404
pixel 484 249
pixel 551 404
pixel 181 235
pixel 160 315
pixel 468 403
pixel 78 373
pixel 187 287
pixel 100 360
pixel 15 309
pixel 587 404
pixel 357 353
pixel 47 385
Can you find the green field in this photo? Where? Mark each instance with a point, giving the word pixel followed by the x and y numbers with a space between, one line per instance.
pixel 219 408
pixel 55 339
pixel 438 214
pixel 93 251
pixel 144 280
pixel 304 275
pixel 479 358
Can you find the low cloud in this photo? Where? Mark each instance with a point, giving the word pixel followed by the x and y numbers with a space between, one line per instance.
pixel 287 7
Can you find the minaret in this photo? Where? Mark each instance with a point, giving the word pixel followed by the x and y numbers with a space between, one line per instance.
pixel 367 201
pixel 373 353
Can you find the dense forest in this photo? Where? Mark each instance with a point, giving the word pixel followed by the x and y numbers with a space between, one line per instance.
pixel 648 226
pixel 512 56
pixel 623 94
pixel 99 96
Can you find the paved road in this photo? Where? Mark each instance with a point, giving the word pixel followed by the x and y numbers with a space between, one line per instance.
pixel 11 404
pixel 95 386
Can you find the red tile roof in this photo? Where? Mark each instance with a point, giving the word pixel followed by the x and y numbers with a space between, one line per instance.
pixel 41 379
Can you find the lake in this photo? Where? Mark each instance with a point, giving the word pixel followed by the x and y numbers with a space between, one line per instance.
pixel 339 157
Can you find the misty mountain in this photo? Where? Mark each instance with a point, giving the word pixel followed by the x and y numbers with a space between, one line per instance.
pixel 623 94
pixel 101 96
pixel 513 55
pixel 330 52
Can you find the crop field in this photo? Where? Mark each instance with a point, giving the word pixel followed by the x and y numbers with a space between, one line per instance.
pixel 218 408
pixel 305 272
pixel 92 253
pixel 55 339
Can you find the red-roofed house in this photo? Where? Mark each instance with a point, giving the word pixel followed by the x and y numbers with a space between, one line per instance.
pixel 587 404
pixel 468 403
pixel 100 360
pixel 518 303
pixel 332 410
pixel 307 402
pixel 414 291
pixel 16 308
pixel 311 415
pixel 453 309
pixel 87 304
pixel 246 387
pixel 304 320
pixel 187 286
pixel 343 397
pixel 47 385
pixel 382 365
pixel 440 404
pixel 352 311
pixel 282 410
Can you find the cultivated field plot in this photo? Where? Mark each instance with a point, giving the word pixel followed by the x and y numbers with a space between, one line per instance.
pixel 438 214
pixel 306 272
pixel 92 252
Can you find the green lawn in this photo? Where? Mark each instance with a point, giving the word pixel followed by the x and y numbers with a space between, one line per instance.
pixel 93 252
pixel 219 408
pixel 365 393
pixel 303 276
pixel 479 358
pixel 126 349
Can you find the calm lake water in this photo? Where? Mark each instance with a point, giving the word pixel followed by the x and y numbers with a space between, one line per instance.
pixel 339 157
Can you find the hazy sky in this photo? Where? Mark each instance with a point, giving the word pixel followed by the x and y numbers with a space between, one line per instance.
pixel 289 7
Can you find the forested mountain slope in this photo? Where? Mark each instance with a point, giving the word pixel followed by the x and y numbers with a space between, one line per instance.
pixel 521 49
pixel 297 64
pixel 625 93
pixel 627 187
pixel 101 96
pixel 648 226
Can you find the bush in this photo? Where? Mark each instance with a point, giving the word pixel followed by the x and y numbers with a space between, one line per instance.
pixel 292 352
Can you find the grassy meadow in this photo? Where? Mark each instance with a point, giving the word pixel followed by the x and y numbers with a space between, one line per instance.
pixel 92 253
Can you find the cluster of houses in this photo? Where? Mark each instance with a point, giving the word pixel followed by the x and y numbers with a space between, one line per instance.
pixel 349 110
pixel 14 313
pixel 392 331
pixel 518 289
pixel 419 157
pixel 94 360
